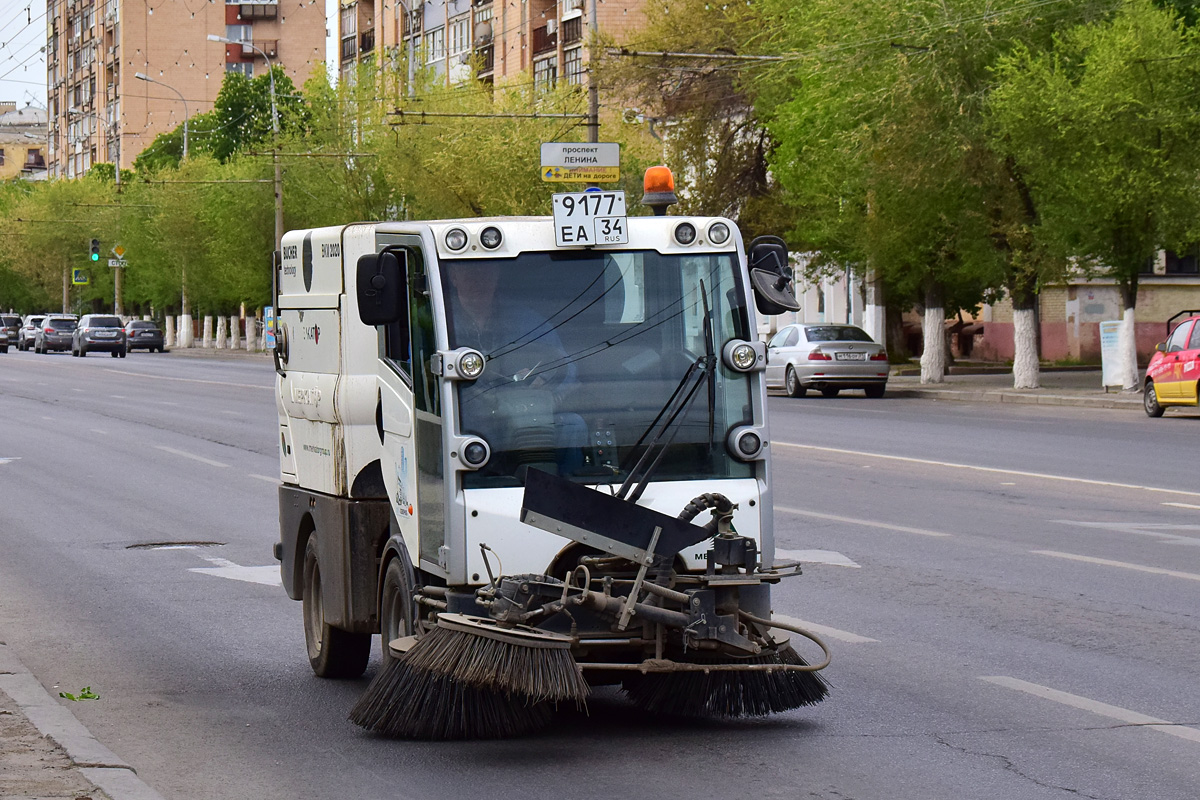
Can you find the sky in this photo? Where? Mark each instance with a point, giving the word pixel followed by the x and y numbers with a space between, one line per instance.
pixel 23 38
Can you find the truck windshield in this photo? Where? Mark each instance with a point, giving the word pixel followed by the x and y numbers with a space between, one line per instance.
pixel 583 350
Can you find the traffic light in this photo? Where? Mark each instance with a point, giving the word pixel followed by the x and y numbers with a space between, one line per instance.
pixel 95 249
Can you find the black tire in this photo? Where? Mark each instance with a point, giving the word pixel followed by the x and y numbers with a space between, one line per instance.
pixel 791 382
pixel 830 391
pixel 115 353
pixel 395 607
pixel 82 351
pixel 121 353
pixel 332 652
pixel 37 349
pixel 1150 401
pixel 875 392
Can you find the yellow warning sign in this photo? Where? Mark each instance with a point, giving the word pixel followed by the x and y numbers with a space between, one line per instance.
pixel 581 174
pixel 119 251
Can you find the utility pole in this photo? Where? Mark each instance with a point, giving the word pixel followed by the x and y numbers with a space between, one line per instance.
pixel 593 89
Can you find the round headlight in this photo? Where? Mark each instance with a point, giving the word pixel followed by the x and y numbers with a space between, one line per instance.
pixel 470 365
pixel 456 239
pixel 685 233
pixel 743 357
pixel 475 453
pixel 491 238
pixel 748 444
pixel 718 233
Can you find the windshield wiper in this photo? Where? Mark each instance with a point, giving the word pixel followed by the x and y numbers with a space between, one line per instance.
pixel 698 373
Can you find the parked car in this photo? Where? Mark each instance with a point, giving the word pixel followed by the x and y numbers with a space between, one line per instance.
pixel 101 333
pixel 54 333
pixel 825 357
pixel 143 334
pixel 10 328
pixel 1173 374
pixel 29 330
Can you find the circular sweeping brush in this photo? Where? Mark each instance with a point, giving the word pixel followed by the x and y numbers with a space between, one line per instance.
pixel 513 659
pixel 728 694
pixel 407 703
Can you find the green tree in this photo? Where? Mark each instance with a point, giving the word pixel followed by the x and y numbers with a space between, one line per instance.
pixel 1106 125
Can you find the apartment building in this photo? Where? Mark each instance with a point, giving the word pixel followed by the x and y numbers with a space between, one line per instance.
pixel 99 111
pixel 504 38
pixel 22 142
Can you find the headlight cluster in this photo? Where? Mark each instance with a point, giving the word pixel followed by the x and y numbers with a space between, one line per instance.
pixel 457 239
pixel 686 234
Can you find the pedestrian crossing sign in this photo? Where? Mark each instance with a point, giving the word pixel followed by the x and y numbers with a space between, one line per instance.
pixel 79 278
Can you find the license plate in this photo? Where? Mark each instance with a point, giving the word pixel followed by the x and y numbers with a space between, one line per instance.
pixel 850 356
pixel 105 334
pixel 590 218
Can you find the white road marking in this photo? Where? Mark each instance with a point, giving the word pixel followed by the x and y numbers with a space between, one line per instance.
pixel 266 478
pixel 867 523
pixel 97 430
pixel 73 389
pixel 208 461
pixel 166 403
pixel 1183 505
pixel 188 380
pixel 224 568
pixel 1008 483
pixel 1191 576
pixel 817 557
pixel 10 459
pixel 117 396
pixel 996 470
pixel 1095 707
pixel 1157 530
pixel 825 630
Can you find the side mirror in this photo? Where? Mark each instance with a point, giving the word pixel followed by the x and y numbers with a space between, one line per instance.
pixel 381 280
pixel 1161 347
pixel 771 276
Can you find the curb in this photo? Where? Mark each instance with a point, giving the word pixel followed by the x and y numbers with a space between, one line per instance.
pixel 998 396
pixel 95 762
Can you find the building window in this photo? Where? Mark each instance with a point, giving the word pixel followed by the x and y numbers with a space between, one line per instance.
pixel 435 45
pixel 244 67
pixel 572 30
pixel 350 20
pixel 1183 263
pixel 545 72
pixel 573 66
pixel 460 35
pixel 239 33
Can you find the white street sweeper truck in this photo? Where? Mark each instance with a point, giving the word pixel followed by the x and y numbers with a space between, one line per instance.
pixel 532 453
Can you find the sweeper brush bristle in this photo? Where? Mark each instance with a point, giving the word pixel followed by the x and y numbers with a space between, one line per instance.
pixel 408 703
pixel 493 664
pixel 729 694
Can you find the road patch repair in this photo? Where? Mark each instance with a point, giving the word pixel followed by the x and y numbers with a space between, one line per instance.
pixel 46 753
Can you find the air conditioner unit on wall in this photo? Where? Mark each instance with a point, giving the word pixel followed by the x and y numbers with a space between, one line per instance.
pixel 551 27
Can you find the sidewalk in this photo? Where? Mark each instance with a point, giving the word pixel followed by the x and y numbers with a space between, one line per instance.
pixel 47 754
pixel 1059 387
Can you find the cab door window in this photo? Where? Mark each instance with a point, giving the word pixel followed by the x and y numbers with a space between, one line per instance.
pixel 1179 337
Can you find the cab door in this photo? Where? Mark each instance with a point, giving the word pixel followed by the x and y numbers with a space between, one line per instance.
pixel 1189 385
pixel 411 415
pixel 1169 381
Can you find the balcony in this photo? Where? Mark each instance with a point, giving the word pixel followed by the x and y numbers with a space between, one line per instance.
pixel 258 10
pixel 572 30
pixel 349 48
pixel 544 41
pixel 268 46
pixel 487 60
pixel 367 41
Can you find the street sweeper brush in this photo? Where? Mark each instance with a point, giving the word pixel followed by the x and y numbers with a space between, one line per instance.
pixel 707 690
pixel 407 703
pixel 471 677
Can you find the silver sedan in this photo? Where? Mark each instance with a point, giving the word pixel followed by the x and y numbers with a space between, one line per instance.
pixel 826 357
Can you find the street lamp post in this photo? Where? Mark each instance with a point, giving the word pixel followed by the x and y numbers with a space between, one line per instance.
pixel 212 37
pixel 141 76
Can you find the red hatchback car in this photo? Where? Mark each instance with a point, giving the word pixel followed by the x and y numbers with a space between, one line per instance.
pixel 1173 375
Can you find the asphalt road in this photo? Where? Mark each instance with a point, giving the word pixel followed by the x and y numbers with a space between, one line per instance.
pixel 1026 630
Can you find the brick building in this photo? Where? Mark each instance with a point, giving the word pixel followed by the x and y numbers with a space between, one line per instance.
pixel 506 39
pixel 100 112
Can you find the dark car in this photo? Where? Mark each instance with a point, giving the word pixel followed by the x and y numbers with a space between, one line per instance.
pixel 10 329
pixel 102 333
pixel 28 331
pixel 54 333
pixel 142 334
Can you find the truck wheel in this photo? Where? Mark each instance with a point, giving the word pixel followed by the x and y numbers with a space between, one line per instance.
pixel 332 652
pixel 395 607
